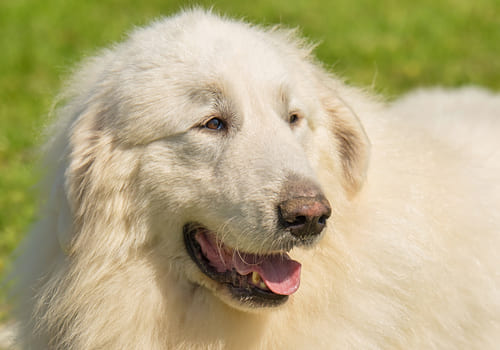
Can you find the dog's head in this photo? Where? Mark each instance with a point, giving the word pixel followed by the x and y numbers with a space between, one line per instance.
pixel 207 141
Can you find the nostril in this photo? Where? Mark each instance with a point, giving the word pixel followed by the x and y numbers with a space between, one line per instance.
pixel 297 221
pixel 322 220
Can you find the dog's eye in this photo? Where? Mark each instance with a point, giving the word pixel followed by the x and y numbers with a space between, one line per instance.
pixel 293 119
pixel 214 124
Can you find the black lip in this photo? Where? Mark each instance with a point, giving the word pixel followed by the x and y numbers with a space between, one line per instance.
pixel 246 294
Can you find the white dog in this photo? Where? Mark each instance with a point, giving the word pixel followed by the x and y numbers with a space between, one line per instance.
pixel 211 186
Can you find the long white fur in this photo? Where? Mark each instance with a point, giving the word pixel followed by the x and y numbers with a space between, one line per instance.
pixel 409 259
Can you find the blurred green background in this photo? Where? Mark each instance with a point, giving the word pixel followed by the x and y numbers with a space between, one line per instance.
pixel 388 45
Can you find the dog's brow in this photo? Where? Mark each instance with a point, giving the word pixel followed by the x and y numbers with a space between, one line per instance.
pixel 283 98
pixel 284 94
pixel 206 94
pixel 214 96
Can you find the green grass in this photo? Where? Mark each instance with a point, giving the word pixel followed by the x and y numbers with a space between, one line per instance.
pixel 391 45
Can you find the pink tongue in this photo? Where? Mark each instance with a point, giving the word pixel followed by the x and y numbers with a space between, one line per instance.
pixel 280 273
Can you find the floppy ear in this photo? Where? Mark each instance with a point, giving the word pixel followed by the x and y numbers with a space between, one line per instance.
pixel 352 143
pixel 74 155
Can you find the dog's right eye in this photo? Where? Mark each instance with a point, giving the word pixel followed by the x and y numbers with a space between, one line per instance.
pixel 214 124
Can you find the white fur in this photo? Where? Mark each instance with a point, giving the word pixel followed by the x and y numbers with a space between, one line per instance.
pixel 409 258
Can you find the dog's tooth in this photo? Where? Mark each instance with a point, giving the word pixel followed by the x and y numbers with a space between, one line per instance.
pixel 257 281
pixel 256 278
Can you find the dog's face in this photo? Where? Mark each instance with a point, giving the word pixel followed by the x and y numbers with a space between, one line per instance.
pixel 219 123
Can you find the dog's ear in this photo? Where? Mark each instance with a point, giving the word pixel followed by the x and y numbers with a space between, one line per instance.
pixel 70 153
pixel 352 143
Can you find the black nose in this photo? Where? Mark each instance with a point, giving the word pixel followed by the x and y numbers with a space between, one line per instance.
pixel 305 211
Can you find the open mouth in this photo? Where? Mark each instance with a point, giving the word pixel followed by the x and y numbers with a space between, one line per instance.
pixel 257 280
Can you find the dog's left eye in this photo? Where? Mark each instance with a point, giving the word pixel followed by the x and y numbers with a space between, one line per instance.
pixel 214 124
pixel 294 119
